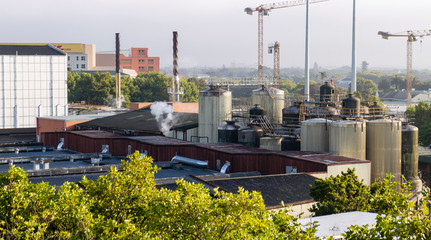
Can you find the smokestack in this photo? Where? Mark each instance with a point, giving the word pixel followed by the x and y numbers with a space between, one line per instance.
pixel 117 71
pixel 175 78
pixel 353 82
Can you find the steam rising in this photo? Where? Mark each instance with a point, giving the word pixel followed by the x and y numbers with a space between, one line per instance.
pixel 164 115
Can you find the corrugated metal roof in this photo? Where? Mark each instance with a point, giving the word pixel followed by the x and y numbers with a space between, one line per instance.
pixel 142 120
pixel 29 50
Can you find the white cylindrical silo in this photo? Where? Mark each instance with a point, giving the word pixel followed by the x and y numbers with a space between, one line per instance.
pixel 384 148
pixel 315 135
pixel 348 138
pixel 272 100
pixel 215 107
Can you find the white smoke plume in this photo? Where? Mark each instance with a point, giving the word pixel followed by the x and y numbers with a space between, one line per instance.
pixel 164 115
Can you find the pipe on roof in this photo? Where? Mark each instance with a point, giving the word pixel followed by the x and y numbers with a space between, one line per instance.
pixel 190 161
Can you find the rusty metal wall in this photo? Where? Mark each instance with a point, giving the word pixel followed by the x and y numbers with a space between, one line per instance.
pixel 242 159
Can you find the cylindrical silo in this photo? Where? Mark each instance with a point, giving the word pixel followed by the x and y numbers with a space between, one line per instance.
pixel 384 148
pixel 348 138
pixel 215 107
pixel 250 136
pixel 272 100
pixel 315 135
pixel 351 106
pixel 410 156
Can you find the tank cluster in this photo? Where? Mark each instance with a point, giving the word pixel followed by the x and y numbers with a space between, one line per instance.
pixel 343 128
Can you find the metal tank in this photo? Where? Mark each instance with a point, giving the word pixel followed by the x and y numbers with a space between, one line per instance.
pixel 270 143
pixel 291 144
pixel 228 132
pixel 384 148
pixel 250 136
pixel 291 114
pixel 215 107
pixel 410 156
pixel 348 138
pixel 327 93
pixel 272 100
pixel 256 112
pixel 315 135
pixel 376 109
pixel 351 106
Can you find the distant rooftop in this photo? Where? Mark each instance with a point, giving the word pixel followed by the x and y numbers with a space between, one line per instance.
pixel 29 50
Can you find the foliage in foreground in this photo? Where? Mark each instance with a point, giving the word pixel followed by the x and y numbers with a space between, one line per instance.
pixel 127 205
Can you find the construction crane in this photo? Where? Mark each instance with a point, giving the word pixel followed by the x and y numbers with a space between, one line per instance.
pixel 263 10
pixel 275 49
pixel 412 36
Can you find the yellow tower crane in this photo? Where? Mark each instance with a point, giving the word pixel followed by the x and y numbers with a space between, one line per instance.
pixel 263 10
pixel 412 36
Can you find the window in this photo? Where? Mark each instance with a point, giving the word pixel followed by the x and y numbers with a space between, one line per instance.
pixel 68 58
pixel 77 65
pixel 82 65
pixel 82 58
pixel 77 58
pixel 126 61
pixel 150 61
pixel 141 61
pixel 150 69
pixel 141 69
pixel 141 52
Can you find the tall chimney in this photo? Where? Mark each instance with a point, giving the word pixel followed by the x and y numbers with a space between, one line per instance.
pixel 117 71
pixel 175 78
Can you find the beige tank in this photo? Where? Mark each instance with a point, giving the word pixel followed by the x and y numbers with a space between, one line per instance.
pixel 384 148
pixel 215 107
pixel 271 143
pixel 348 138
pixel 272 101
pixel 315 135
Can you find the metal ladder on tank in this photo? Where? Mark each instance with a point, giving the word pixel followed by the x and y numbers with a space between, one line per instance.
pixel 265 124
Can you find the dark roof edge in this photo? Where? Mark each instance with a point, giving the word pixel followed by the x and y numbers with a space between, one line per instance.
pixel 56 49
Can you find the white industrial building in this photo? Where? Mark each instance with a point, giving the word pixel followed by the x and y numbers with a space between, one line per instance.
pixel 33 83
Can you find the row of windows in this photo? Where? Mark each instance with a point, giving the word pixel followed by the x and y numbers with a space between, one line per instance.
pixel 141 61
pixel 77 58
pixel 142 69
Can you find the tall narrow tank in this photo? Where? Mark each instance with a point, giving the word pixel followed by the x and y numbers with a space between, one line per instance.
pixel 272 100
pixel 215 106
pixel 410 156
pixel 351 106
pixel 250 136
pixel 315 135
pixel 376 109
pixel 228 132
pixel 327 93
pixel 348 138
pixel 384 148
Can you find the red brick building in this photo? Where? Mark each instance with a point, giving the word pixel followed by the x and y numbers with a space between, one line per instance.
pixel 138 61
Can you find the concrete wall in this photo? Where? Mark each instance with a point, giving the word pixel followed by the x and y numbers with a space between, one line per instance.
pixel 31 86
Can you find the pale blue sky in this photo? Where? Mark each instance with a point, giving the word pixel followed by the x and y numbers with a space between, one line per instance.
pixel 217 32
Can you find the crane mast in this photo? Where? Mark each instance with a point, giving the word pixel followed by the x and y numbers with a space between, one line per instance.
pixel 263 10
pixel 275 49
pixel 412 36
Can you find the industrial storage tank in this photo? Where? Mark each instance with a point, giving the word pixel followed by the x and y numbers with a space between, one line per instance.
pixel 315 135
pixel 291 144
pixel 348 138
pixel 215 107
pixel 384 148
pixel 250 136
pixel 327 93
pixel 272 100
pixel 271 143
pixel 291 114
pixel 410 156
pixel 228 132
pixel 351 106
pixel 376 109
pixel 256 112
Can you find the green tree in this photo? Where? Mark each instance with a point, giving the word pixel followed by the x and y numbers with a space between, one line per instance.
pixel 191 92
pixel 345 192
pixel 420 116
pixel 150 87
pixel 385 85
pixel 367 88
